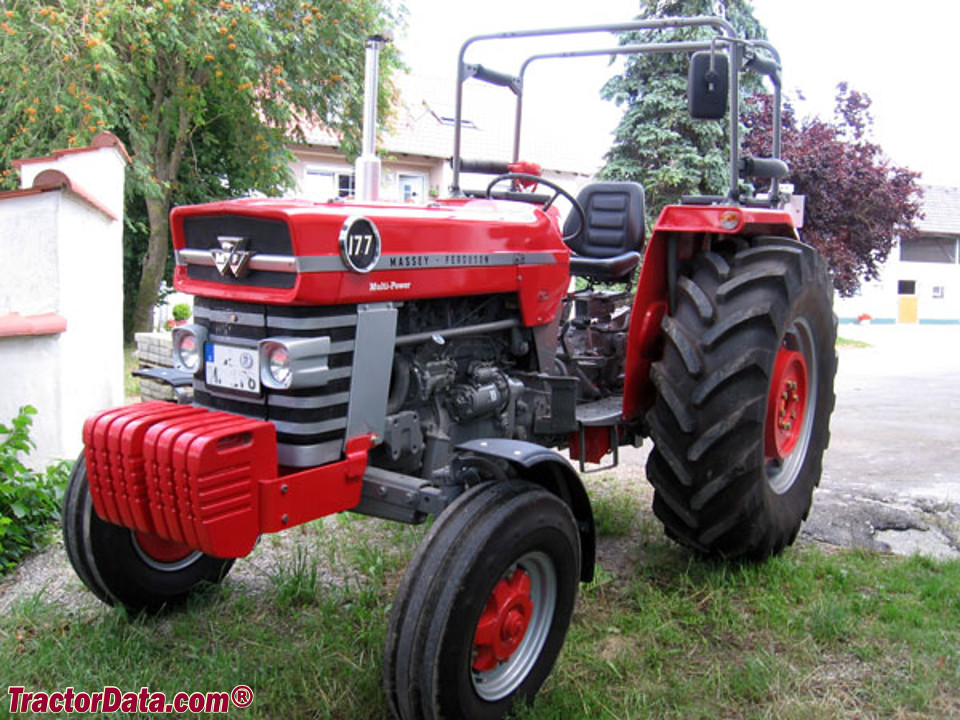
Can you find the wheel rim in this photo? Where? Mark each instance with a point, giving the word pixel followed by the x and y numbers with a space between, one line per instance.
pixel 162 554
pixel 790 407
pixel 514 626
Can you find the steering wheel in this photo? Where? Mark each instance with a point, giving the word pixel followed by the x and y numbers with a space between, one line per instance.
pixel 557 192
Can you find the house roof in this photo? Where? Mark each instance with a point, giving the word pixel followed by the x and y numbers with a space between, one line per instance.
pixel 423 125
pixel 941 209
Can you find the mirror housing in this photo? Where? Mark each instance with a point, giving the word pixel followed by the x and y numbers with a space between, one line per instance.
pixel 708 85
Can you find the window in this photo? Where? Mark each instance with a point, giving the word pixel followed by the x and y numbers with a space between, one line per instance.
pixel 938 293
pixel 412 188
pixel 324 184
pixel 907 287
pixel 931 250
pixel 346 185
pixel 444 120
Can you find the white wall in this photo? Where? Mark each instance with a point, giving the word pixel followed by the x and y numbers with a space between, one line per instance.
pixel 61 254
pixel 28 263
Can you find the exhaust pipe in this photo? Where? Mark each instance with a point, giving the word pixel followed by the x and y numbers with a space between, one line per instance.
pixel 368 164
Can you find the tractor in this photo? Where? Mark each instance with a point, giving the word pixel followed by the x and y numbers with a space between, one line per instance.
pixel 430 361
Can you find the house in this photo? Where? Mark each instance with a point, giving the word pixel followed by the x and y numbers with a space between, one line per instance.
pixel 416 145
pixel 415 149
pixel 920 282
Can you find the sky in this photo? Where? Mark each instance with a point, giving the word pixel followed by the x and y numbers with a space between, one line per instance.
pixel 900 54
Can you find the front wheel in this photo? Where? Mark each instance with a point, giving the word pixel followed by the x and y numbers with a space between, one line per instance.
pixel 744 397
pixel 126 567
pixel 485 605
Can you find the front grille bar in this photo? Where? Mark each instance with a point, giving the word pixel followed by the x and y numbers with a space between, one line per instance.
pixel 310 427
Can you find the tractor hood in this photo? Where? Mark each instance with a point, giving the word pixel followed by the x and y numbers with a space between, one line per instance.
pixel 297 252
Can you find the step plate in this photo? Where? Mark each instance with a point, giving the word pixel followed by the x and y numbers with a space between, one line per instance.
pixel 602 413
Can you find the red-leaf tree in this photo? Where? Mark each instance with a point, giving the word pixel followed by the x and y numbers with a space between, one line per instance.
pixel 857 202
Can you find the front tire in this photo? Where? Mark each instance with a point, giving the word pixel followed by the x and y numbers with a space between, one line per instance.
pixel 744 397
pixel 485 605
pixel 125 567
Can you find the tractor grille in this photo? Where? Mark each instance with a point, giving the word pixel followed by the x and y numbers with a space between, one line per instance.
pixel 311 423
pixel 264 238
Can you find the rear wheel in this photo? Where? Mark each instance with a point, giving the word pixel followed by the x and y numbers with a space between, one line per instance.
pixel 125 567
pixel 484 608
pixel 744 397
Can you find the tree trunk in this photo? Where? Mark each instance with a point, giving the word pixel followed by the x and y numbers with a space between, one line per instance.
pixel 155 262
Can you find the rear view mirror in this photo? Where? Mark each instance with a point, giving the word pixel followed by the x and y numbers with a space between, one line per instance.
pixel 708 85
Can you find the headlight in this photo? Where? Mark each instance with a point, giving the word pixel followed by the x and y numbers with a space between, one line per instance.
pixel 278 365
pixel 188 347
pixel 291 363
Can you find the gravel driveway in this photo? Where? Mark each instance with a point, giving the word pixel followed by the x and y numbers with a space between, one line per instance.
pixel 891 479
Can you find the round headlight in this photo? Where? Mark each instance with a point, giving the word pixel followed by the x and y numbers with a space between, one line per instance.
pixel 278 365
pixel 188 351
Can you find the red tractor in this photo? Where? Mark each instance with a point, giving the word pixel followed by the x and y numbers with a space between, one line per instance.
pixel 414 361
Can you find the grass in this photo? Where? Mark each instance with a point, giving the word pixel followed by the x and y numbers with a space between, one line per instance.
pixel 848 343
pixel 663 635
pixel 131 384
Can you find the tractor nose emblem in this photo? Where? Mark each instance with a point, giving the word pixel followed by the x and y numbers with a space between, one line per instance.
pixel 232 257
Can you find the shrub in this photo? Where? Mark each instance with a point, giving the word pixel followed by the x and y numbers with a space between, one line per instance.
pixel 181 311
pixel 29 500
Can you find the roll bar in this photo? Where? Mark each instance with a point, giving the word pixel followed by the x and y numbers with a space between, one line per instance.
pixel 744 55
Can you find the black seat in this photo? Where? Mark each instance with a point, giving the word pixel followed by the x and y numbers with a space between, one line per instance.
pixel 607 249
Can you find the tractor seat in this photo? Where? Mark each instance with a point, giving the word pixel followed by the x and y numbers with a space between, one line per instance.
pixel 607 249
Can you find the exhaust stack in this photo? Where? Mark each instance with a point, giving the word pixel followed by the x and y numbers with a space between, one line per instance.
pixel 368 164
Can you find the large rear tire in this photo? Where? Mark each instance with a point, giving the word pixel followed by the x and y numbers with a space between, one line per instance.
pixel 484 607
pixel 744 397
pixel 125 567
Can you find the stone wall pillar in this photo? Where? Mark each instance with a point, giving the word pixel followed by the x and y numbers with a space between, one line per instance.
pixel 61 299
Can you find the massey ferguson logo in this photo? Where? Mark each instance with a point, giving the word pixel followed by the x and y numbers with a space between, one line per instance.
pixel 231 258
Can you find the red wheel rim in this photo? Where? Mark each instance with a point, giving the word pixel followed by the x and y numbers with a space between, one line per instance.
pixel 786 404
pixel 504 622
pixel 161 549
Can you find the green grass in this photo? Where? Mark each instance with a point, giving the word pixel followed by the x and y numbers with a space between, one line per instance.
pixel 131 384
pixel 615 513
pixel 808 634
pixel 846 342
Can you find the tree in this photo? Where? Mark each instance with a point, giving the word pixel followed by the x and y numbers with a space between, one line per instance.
pixel 857 203
pixel 205 94
pixel 657 143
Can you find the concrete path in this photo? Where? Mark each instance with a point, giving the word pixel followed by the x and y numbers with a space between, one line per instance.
pixel 892 473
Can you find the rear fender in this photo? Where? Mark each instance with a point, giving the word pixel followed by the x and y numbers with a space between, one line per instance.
pixel 551 471
pixel 680 232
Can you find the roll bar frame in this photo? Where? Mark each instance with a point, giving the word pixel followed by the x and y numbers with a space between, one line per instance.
pixel 754 55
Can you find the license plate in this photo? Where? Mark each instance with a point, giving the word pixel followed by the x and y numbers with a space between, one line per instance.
pixel 234 368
